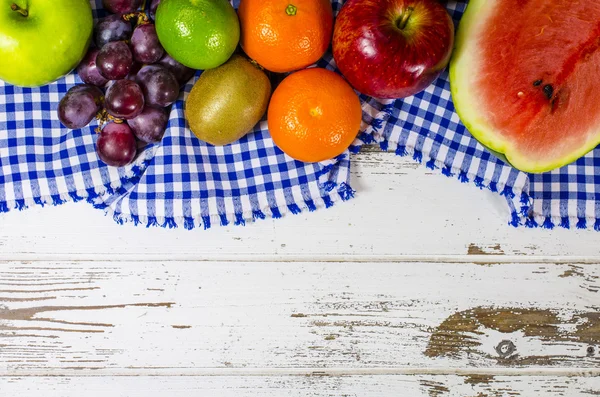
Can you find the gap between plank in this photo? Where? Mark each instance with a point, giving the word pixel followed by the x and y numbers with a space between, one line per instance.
pixel 224 372
pixel 282 258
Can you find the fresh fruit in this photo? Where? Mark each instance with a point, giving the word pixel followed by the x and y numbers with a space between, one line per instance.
pixel 145 46
pixel 159 86
pixel 79 106
pixel 153 6
pixel 42 40
pixel 314 115
pixel 112 28
pixel 227 102
pixel 135 68
pixel 284 36
pixel 150 125
pixel 139 89
pixel 114 60
pixel 393 48
pixel 116 145
pixel 121 6
pixel 201 34
pixel 529 90
pixel 124 99
pixel 181 72
pixel 88 71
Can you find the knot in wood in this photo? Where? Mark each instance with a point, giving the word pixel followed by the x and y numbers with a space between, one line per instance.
pixel 506 348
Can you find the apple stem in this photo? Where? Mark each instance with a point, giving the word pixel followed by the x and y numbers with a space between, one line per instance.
pixel 291 10
pixel 403 21
pixel 18 9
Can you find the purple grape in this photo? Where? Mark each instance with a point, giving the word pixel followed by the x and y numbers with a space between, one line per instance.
pixel 135 68
pixel 153 7
pixel 87 70
pixel 114 60
pixel 111 28
pixel 150 125
pixel 124 99
pixel 121 6
pixel 79 106
pixel 159 85
pixel 116 145
pixel 109 84
pixel 182 73
pixel 145 46
pixel 140 144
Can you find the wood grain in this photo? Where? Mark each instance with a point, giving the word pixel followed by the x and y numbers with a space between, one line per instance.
pixel 124 318
pixel 402 211
pixel 303 386
pixel 416 288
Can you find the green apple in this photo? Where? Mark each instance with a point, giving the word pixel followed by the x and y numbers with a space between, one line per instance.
pixel 42 40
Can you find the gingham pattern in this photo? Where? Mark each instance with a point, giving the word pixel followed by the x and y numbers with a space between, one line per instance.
pixel 427 127
pixel 184 182
pixel 190 183
pixel 42 162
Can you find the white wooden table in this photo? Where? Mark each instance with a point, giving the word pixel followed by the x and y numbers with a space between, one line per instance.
pixel 418 287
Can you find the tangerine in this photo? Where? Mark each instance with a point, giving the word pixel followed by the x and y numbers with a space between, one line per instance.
pixel 285 35
pixel 314 115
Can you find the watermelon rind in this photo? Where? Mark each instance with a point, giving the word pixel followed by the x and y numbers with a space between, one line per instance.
pixel 462 67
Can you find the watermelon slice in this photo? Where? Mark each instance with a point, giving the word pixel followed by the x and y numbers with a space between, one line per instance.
pixel 525 79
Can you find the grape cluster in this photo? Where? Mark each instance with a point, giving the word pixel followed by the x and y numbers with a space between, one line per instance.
pixel 129 83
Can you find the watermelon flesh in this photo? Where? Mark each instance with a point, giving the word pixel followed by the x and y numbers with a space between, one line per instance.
pixel 525 79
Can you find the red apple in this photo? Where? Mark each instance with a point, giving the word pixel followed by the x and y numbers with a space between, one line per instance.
pixel 392 48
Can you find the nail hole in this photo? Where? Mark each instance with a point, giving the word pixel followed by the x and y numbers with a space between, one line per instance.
pixel 591 350
pixel 506 348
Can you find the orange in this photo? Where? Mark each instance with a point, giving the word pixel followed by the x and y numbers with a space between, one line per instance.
pixel 314 115
pixel 285 35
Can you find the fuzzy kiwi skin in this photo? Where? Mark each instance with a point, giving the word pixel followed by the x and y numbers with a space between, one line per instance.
pixel 227 102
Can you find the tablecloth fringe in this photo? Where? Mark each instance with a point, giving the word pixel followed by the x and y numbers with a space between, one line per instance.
pixel 343 193
pixel 519 201
pixel 548 222
pixel 90 195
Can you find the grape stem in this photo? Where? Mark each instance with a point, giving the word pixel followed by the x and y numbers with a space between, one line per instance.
pixel 103 118
pixel 22 11
pixel 142 17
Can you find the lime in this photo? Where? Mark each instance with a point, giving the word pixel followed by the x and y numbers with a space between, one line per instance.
pixel 201 34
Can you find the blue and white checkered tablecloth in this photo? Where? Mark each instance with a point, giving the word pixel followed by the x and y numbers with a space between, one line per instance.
pixel 185 182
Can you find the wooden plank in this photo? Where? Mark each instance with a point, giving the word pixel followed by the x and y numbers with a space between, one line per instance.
pixel 120 318
pixel 402 212
pixel 302 386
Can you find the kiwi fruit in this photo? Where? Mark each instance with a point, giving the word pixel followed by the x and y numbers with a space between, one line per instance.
pixel 228 101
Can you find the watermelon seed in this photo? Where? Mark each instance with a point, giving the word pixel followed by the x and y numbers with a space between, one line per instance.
pixel 537 83
pixel 553 105
pixel 560 99
pixel 548 91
